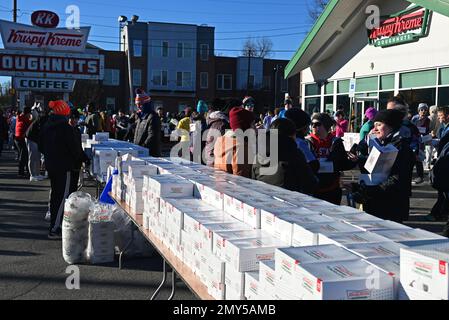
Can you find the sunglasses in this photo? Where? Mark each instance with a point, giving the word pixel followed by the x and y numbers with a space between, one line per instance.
pixel 316 124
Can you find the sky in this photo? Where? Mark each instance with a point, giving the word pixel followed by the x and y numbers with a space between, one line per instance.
pixel 285 22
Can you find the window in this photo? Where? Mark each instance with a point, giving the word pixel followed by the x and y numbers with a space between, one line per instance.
pixel 312 105
pixel 345 101
pixel 383 99
pixel 329 104
pixel 266 83
pixel 415 96
pixel 366 84
pixel 312 90
pixel 444 76
pixel 184 79
pixel 224 82
pixel 111 77
pixel 184 50
pixel 443 96
pixel 204 52
pixel 387 82
pixel 329 88
pixel 204 80
pixel 418 79
pixel 165 48
pixel 160 78
pixel 137 77
pixel 156 48
pixel 343 86
pixel 137 48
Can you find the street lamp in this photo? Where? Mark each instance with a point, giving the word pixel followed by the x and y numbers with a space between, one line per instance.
pixel 276 69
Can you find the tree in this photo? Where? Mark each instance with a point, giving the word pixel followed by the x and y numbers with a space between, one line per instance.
pixel 260 47
pixel 316 8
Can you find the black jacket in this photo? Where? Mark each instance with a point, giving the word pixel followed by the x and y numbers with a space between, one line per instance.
pixel 390 200
pixel 59 145
pixel 148 133
pixel 34 130
pixel 82 156
pixel 292 172
pixel 3 128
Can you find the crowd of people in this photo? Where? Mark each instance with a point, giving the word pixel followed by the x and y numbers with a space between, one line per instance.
pixel 296 151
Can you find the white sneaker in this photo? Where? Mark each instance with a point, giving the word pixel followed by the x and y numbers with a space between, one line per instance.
pixel 35 178
pixel 47 216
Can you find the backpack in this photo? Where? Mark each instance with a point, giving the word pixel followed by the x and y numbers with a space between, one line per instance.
pixel 440 171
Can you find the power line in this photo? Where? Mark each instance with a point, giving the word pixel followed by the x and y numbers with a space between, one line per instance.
pixel 171 47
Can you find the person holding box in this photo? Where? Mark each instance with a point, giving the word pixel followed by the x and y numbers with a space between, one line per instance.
pixel 390 198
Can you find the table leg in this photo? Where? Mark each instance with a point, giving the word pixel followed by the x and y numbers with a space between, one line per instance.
pixel 126 248
pixel 173 284
pixel 164 279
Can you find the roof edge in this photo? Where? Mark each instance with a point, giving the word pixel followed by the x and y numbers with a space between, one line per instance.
pixel 313 32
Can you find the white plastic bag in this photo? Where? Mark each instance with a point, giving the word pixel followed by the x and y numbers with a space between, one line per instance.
pixel 75 227
pixel 100 247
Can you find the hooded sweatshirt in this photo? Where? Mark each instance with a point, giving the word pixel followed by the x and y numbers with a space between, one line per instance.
pixel 217 124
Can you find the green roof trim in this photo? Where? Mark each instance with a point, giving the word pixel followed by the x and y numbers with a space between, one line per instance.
pixel 440 6
pixel 316 27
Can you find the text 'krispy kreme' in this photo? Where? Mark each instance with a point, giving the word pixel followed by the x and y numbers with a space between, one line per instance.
pixel 44 39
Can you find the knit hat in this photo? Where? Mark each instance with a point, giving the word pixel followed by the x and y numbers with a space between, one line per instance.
pixel 201 107
pixel 240 118
pixel 141 97
pixel 423 106
pixel 249 102
pixel 325 119
pixel 59 107
pixel 392 118
pixel 299 117
pixel 370 113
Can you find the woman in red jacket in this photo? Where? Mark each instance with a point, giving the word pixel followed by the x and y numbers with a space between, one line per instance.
pixel 22 124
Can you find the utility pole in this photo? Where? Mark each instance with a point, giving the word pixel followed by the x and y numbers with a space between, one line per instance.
pixel 249 68
pixel 14 11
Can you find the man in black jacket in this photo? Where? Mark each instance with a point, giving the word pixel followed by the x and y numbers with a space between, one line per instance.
pixel 61 151
pixel 148 126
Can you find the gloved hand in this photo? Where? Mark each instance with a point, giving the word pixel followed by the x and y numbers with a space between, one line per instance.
pixel 360 193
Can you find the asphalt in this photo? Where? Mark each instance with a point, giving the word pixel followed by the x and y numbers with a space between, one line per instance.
pixel 32 267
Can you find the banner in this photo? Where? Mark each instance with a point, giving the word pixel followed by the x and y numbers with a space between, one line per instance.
pixel 25 37
pixel 51 65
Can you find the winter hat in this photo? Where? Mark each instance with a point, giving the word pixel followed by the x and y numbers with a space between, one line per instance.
pixel 370 113
pixel 300 118
pixel 249 102
pixel 59 107
pixel 141 97
pixel 201 107
pixel 240 118
pixel 325 119
pixel 392 118
pixel 423 106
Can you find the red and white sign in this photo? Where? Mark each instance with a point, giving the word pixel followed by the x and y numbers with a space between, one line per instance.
pixel 397 25
pixel 45 19
pixel 25 37
pixel 51 65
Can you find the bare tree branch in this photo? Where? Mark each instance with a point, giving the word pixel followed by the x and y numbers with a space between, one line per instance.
pixel 261 47
pixel 316 8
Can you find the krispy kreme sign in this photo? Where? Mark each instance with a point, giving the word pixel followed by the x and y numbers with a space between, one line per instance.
pixel 51 65
pixel 22 36
pixel 401 28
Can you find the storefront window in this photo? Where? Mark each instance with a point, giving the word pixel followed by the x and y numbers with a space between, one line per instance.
pixel 312 90
pixel 387 82
pixel 415 97
pixel 343 86
pixel 312 105
pixel 366 84
pixel 383 99
pixel 344 101
pixel 418 79
pixel 444 76
pixel 329 88
pixel 329 104
pixel 443 96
